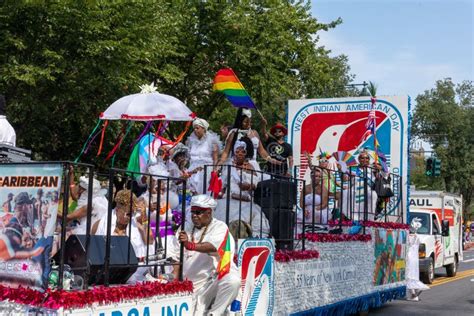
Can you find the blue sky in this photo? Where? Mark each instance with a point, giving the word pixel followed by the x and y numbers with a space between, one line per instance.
pixel 403 46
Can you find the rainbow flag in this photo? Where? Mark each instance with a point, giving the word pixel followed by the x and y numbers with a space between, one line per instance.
pixel 226 256
pixel 227 82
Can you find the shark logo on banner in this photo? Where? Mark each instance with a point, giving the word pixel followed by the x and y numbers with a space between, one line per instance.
pixel 332 125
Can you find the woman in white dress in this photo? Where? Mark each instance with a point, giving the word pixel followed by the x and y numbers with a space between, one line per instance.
pixel 314 200
pixel 126 202
pixel 242 127
pixel 414 285
pixel 243 180
pixel 100 205
pixel 204 146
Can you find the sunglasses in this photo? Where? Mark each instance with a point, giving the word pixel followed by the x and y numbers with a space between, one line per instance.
pixel 198 212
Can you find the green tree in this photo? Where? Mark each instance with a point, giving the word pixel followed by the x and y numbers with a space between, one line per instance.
pixel 62 63
pixel 444 116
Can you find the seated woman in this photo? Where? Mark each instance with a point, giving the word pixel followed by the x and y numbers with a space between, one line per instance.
pixel 243 180
pixel 314 200
pixel 99 206
pixel 126 204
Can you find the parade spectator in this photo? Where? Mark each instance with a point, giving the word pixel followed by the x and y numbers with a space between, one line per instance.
pixel 243 181
pixel 212 294
pixel 7 133
pixel 242 127
pixel 204 146
pixel 278 149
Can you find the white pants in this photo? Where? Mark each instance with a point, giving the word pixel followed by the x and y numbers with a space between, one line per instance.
pixel 215 297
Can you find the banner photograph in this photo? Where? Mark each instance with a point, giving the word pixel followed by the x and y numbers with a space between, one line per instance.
pixel 30 196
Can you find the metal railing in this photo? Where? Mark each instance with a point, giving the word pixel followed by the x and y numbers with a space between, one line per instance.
pixel 251 202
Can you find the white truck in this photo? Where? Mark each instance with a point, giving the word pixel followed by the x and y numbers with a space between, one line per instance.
pixel 441 231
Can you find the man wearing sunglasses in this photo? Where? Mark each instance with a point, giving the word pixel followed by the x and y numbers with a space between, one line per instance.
pixel 213 293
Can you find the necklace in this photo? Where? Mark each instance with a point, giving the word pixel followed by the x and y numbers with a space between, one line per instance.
pixel 202 235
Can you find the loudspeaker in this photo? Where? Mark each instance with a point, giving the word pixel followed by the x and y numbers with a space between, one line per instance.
pixel 282 226
pixel 119 255
pixel 276 193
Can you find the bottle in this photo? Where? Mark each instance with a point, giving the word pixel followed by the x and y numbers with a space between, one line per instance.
pixel 235 308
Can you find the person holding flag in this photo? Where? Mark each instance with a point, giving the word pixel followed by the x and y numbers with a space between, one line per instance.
pixel 208 259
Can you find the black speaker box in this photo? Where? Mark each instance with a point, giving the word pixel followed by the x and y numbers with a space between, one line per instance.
pixel 276 193
pixel 282 226
pixel 119 255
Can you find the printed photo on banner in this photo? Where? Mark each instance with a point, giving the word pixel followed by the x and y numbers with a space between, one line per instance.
pixel 29 195
pixel 390 249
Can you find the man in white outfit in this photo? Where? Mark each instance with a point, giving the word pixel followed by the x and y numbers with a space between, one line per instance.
pixel 7 133
pixel 214 290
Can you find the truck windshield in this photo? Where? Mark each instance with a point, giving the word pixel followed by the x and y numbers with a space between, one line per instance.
pixel 425 222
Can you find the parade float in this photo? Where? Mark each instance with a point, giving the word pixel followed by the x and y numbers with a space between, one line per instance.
pixel 361 266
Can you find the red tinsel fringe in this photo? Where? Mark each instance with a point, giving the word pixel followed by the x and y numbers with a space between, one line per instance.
pixel 289 255
pixel 101 295
pixel 389 225
pixel 315 237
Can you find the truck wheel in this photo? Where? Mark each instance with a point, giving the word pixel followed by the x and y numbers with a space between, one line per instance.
pixel 427 277
pixel 452 268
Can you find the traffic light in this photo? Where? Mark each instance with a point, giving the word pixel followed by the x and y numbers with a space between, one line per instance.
pixel 433 167
pixel 429 167
pixel 437 167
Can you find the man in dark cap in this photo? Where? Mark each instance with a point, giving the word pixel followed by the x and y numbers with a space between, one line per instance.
pixel 7 133
pixel 24 209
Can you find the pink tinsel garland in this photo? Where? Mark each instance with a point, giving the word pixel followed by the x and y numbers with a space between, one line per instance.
pixel 101 295
pixel 289 255
pixel 315 237
pixel 389 225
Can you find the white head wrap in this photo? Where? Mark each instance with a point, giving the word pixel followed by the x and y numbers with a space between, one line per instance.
pixel 84 183
pixel 203 201
pixel 201 122
pixel 240 144
pixel 247 113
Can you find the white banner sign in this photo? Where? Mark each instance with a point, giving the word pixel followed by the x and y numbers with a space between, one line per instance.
pixel 339 124
pixel 176 306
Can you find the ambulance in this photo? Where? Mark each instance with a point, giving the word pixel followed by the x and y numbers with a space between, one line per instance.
pixel 441 231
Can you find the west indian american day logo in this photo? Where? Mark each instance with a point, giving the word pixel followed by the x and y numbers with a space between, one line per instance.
pixel 256 265
pixel 339 124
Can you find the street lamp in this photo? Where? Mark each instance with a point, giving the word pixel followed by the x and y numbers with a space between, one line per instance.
pixel 364 92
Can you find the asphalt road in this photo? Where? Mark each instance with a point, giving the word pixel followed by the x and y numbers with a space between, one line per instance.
pixel 446 296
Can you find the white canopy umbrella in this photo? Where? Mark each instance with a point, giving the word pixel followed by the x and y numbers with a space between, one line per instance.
pixel 148 105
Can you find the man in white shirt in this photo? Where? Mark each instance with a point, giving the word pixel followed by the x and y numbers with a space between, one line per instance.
pixel 216 280
pixel 7 133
